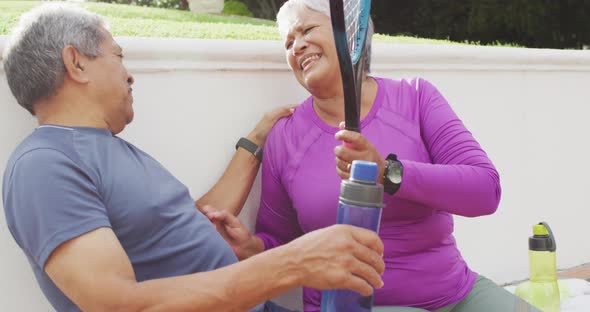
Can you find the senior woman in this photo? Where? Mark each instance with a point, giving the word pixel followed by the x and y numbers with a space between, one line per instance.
pixel 431 167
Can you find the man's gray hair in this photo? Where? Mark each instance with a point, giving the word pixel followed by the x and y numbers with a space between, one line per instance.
pixel 33 57
pixel 287 16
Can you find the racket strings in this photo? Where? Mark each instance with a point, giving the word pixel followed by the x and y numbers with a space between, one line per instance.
pixel 352 12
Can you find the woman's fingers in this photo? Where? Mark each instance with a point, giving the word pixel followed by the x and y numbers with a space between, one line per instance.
pixel 344 175
pixel 343 165
pixel 357 140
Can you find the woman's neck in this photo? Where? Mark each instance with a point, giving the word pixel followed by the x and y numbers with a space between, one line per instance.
pixel 331 109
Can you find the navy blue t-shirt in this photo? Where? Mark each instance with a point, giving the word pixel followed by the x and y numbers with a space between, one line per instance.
pixel 61 183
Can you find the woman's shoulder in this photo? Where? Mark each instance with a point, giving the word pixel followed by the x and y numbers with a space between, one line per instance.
pixel 405 92
pixel 289 136
pixel 296 121
pixel 403 97
pixel 413 83
pixel 287 130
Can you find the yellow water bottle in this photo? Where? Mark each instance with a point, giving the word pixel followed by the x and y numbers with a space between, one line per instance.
pixel 542 291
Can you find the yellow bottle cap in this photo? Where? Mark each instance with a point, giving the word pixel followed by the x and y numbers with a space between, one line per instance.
pixel 539 229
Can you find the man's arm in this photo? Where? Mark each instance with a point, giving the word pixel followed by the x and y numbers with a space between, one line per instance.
pixel 96 274
pixel 232 189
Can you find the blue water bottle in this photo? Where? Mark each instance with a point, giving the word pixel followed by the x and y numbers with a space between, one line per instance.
pixel 361 200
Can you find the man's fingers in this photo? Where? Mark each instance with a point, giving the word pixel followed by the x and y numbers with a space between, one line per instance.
pixel 216 216
pixel 368 273
pixel 367 238
pixel 225 217
pixel 232 221
pixel 207 209
pixel 358 284
pixel 283 111
pixel 370 257
pixel 235 233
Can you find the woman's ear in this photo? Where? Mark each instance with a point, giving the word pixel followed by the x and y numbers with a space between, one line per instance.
pixel 74 64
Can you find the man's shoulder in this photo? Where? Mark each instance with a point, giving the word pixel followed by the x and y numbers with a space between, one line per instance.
pixel 35 148
pixel 44 148
pixel 42 142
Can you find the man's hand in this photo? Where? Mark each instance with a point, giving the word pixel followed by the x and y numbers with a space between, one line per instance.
pixel 339 256
pixel 260 132
pixel 234 232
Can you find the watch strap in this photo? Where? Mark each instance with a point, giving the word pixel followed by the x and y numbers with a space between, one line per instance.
pixel 250 147
pixel 388 186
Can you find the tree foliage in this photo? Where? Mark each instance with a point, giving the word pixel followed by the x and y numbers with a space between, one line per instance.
pixel 531 23
pixel 266 9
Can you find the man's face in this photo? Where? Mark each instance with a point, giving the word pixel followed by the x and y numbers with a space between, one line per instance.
pixel 110 85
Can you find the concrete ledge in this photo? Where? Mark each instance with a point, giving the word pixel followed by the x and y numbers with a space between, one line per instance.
pixel 174 54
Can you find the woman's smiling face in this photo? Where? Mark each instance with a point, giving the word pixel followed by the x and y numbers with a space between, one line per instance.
pixel 311 52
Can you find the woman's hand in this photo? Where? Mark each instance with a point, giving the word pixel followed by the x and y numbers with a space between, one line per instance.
pixel 234 232
pixel 260 132
pixel 356 147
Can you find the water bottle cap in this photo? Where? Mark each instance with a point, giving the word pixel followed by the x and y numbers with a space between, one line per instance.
pixel 540 229
pixel 364 171
pixel 542 239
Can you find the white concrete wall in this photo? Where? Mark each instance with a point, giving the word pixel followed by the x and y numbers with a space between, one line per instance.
pixel 528 109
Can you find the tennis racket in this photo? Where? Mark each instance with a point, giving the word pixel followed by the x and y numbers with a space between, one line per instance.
pixel 350 21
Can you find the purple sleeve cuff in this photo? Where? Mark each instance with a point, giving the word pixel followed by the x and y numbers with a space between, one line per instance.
pixel 268 240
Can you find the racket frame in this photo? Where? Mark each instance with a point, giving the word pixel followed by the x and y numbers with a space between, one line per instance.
pixel 352 74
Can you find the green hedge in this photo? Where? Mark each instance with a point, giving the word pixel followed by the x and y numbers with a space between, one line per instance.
pixel 236 8
pixel 229 8
pixel 168 4
pixel 530 23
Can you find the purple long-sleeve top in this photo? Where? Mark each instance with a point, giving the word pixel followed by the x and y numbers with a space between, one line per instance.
pixel 446 172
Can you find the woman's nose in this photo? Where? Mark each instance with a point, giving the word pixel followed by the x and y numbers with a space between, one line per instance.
pixel 299 46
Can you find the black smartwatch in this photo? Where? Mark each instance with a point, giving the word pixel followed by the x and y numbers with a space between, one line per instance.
pixel 392 175
pixel 250 147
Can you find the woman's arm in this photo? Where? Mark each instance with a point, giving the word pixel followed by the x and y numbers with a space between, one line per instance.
pixel 461 178
pixel 232 189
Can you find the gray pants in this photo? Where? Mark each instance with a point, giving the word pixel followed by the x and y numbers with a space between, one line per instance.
pixel 485 296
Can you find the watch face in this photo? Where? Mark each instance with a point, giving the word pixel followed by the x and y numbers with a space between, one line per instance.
pixel 395 173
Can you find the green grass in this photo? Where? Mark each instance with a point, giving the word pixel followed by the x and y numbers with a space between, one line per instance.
pixel 135 21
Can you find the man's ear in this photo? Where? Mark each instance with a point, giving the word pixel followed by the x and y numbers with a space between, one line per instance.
pixel 75 64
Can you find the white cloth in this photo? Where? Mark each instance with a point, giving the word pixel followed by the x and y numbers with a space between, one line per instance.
pixel 574 294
